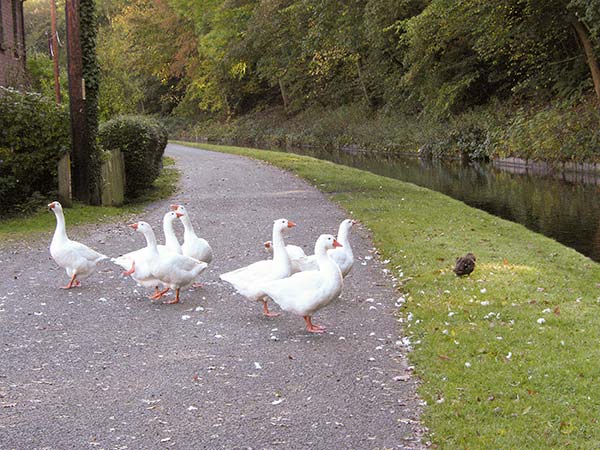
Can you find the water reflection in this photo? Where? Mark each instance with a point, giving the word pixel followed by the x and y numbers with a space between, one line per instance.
pixel 566 211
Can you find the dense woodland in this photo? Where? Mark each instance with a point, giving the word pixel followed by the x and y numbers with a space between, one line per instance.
pixel 481 78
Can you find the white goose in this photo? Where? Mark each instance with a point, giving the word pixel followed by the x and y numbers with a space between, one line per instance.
pixel 171 269
pixel 306 292
pixel 77 259
pixel 294 251
pixel 137 263
pixel 246 279
pixel 342 256
pixel 193 245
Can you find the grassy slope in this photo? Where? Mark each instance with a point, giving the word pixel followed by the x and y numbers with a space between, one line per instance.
pixel 19 227
pixel 529 385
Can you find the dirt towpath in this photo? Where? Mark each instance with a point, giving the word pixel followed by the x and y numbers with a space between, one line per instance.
pixel 103 367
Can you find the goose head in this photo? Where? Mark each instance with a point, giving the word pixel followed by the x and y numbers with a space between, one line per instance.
pixel 347 224
pixel 171 216
pixel 282 224
pixel 178 208
pixel 142 227
pixel 55 206
pixel 326 242
pixel 269 246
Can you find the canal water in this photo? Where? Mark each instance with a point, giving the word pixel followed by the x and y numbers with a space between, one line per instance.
pixel 561 206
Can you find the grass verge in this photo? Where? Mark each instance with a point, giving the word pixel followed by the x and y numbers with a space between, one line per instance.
pixel 508 356
pixel 164 186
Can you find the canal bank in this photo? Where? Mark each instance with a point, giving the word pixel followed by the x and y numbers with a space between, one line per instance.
pixel 506 356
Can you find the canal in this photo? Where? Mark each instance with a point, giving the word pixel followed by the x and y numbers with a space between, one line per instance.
pixel 565 207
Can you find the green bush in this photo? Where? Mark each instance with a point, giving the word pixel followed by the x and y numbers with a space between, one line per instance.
pixel 557 133
pixel 34 133
pixel 142 140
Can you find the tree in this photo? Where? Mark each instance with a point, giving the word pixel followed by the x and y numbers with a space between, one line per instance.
pixel 83 98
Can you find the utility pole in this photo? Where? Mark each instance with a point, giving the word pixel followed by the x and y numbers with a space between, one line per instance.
pixel 54 48
pixel 81 160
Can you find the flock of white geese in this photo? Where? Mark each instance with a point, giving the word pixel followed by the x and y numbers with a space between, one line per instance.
pixel 298 283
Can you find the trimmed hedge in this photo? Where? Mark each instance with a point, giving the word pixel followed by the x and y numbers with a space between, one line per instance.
pixel 34 134
pixel 142 140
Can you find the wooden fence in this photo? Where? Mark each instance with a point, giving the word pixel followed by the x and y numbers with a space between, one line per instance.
pixel 113 179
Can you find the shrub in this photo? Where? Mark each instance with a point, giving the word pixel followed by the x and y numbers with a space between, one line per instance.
pixel 34 133
pixel 142 140
pixel 556 133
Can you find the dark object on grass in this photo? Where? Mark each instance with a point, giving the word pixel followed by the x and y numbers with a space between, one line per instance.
pixel 465 264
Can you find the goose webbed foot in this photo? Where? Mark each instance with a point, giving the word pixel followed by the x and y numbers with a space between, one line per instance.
pixel 73 283
pixel 158 294
pixel 175 300
pixel 311 327
pixel 266 311
pixel 130 271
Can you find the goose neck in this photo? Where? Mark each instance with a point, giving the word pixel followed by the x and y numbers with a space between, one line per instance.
pixel 60 232
pixel 342 236
pixel 323 259
pixel 187 225
pixel 277 242
pixel 151 240
pixel 280 255
pixel 170 238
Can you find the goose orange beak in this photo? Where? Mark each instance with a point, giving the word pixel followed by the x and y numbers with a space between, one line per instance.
pixel 174 207
pixel 178 214
pixel 291 224
pixel 133 225
pixel 336 244
pixel 51 205
pixel 354 222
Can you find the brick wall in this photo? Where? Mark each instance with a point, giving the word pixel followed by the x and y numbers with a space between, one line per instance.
pixel 12 52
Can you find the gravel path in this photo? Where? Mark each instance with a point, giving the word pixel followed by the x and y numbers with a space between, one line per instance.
pixel 103 367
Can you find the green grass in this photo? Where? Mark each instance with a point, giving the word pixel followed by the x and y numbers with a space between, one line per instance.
pixel 492 376
pixel 41 221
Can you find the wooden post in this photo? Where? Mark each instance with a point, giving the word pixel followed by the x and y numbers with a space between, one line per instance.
pixel 54 48
pixel 113 179
pixel 81 164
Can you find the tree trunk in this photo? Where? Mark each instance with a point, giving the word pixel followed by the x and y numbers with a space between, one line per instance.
pixel 361 80
pixel 81 167
pixel 588 48
pixel 283 96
